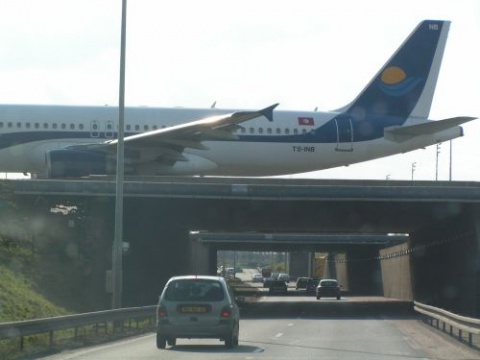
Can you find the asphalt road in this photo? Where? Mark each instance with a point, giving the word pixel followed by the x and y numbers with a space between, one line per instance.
pixel 297 339
pixel 305 329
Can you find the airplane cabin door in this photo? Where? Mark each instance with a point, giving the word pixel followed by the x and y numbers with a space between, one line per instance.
pixel 344 133
pixel 109 129
pixel 94 129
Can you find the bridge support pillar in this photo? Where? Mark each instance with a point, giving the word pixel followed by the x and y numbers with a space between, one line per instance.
pixel 203 259
pixel 300 264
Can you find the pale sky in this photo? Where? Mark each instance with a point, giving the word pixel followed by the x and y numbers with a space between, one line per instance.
pixel 242 54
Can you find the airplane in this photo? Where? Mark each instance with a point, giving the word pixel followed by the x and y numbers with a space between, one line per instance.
pixel 389 116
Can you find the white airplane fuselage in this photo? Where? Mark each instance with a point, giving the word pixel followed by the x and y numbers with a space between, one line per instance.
pixel 274 153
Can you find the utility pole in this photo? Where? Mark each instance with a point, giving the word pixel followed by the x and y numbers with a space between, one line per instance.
pixel 117 251
pixel 414 165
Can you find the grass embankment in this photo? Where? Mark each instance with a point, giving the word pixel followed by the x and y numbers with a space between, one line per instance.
pixel 19 300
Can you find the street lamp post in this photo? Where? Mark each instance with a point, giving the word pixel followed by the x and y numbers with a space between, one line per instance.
pixel 117 251
pixel 414 165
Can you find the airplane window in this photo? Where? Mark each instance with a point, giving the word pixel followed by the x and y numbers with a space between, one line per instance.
pixel 80 126
pixel 295 131
pixel 109 126
pixel 260 130
pixel 1 124
pixel 128 127
pixel 269 130
pixel 37 126
pixel 72 126
pixel 137 127
pixel 19 125
pixel 27 125
pixel 94 127
pixel 54 125
pixel 63 126
pixel 145 127
pixel 45 125
pixel 252 130
pixel 9 124
pixel 155 127
pixel 287 131
pixel 304 131
pixel 278 131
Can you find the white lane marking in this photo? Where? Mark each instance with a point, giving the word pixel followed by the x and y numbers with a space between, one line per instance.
pixel 279 335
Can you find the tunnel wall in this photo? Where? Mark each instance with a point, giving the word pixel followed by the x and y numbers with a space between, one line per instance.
pixel 444 263
pixel 99 236
pixel 336 268
pixel 363 271
pixel 159 249
pixel 396 277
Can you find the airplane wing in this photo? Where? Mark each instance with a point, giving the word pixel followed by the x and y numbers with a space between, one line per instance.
pixel 167 144
pixel 402 133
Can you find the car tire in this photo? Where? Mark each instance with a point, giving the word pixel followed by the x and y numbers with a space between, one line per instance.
pixel 172 342
pixel 161 342
pixel 232 338
pixel 229 341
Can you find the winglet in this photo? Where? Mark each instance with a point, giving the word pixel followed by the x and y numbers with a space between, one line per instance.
pixel 268 112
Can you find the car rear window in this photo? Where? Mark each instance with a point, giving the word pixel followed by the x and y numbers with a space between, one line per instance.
pixel 194 290
pixel 329 283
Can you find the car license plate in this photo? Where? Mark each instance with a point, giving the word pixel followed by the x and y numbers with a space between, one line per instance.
pixel 193 309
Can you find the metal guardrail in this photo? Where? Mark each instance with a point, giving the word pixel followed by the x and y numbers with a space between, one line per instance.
pixel 20 329
pixel 445 318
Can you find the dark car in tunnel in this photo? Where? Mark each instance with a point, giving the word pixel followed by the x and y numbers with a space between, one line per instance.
pixel 328 288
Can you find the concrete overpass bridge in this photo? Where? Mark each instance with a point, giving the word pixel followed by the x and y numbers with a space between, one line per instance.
pixel 438 264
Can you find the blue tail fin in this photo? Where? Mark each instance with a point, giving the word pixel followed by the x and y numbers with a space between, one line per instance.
pixel 405 84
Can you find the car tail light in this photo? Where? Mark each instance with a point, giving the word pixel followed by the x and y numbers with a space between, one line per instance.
pixel 226 313
pixel 162 313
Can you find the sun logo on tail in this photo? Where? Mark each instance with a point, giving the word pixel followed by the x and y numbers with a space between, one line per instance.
pixel 395 82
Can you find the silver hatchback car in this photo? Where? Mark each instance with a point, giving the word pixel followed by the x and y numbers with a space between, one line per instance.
pixel 197 307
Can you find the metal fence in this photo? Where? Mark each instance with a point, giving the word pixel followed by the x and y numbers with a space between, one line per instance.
pixel 455 325
pixel 99 319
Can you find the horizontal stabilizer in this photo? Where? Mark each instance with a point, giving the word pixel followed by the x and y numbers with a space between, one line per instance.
pixel 402 133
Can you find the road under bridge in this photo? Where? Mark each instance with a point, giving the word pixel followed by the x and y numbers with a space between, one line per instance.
pixel 438 264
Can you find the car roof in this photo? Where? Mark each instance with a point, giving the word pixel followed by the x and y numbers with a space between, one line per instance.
pixel 197 277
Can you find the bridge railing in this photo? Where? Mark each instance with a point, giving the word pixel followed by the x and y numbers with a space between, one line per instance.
pixel 443 319
pixel 99 319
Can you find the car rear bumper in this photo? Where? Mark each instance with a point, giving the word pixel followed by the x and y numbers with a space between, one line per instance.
pixel 333 293
pixel 220 331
